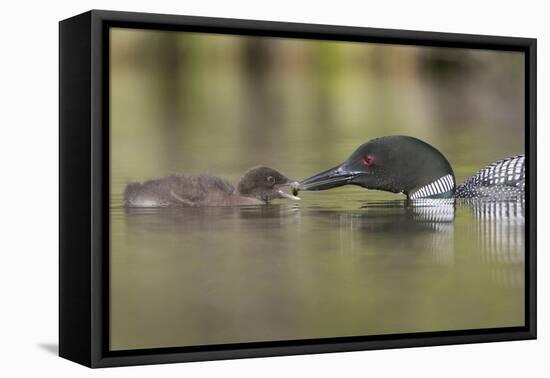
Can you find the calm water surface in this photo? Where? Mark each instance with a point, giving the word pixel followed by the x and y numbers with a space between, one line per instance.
pixel 333 265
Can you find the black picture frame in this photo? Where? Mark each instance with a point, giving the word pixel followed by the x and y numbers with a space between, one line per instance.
pixel 84 187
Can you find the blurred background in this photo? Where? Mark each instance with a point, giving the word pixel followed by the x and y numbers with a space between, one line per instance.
pixel 190 102
pixel 343 262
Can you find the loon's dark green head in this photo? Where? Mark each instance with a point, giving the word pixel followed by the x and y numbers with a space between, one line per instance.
pixel 397 164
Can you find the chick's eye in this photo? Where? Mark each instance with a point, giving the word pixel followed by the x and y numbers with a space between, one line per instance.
pixel 368 160
pixel 270 179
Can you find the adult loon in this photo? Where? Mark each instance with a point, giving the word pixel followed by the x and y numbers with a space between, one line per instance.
pixel 259 185
pixel 403 164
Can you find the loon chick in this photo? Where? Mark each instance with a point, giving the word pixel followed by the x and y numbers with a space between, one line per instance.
pixel 403 164
pixel 258 186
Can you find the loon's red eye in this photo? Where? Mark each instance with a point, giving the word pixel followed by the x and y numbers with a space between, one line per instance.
pixel 368 160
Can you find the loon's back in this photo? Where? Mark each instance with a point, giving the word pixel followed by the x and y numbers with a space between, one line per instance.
pixel 500 180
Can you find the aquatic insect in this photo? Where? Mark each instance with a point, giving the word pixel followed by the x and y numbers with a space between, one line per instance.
pixel 295 186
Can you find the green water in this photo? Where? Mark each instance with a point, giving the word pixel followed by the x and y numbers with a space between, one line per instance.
pixel 334 265
pixel 342 262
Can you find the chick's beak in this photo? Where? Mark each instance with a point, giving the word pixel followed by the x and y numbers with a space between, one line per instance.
pixel 292 184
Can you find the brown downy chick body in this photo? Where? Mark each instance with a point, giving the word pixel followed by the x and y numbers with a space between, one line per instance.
pixel 259 185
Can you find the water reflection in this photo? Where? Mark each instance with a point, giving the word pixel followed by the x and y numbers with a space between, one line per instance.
pixel 499 230
pixel 497 226
pixel 196 276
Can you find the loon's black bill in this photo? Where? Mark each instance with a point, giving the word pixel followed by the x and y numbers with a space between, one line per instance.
pixel 329 179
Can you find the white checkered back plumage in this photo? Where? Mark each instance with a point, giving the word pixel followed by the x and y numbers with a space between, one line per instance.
pixel 503 178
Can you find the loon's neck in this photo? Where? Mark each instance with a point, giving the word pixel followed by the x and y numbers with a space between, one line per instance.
pixel 443 187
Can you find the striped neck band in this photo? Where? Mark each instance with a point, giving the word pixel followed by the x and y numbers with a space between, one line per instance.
pixel 441 185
